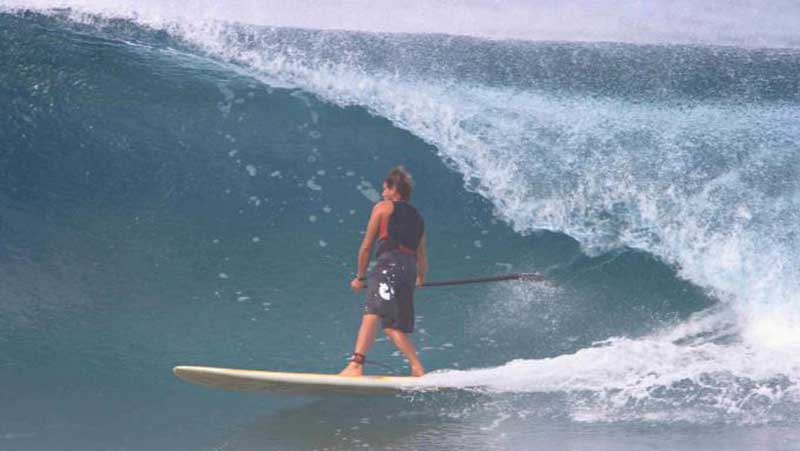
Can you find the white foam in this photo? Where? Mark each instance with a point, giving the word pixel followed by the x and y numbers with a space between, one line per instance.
pixel 621 378
pixel 313 185
pixel 367 190
pixel 16 435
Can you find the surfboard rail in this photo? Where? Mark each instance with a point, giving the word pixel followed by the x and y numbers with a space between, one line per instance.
pixel 295 383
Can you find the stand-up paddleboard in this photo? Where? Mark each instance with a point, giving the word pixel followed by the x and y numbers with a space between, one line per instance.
pixel 296 383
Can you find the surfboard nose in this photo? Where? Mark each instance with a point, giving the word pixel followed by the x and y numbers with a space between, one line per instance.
pixel 184 371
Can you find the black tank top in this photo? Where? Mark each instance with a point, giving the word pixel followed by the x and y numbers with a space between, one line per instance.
pixel 403 229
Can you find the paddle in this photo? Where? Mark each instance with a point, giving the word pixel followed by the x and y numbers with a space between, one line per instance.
pixel 528 277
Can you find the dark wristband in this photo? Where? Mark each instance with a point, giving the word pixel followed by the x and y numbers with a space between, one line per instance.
pixel 362 279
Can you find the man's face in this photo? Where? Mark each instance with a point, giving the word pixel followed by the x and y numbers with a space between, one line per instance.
pixel 388 193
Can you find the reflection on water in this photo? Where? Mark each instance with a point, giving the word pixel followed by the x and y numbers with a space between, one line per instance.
pixel 383 422
pixel 474 421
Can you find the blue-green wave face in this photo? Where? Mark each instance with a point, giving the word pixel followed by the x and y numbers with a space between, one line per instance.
pixel 178 191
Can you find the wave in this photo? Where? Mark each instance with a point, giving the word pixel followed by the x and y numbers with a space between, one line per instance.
pixel 687 153
pixel 663 377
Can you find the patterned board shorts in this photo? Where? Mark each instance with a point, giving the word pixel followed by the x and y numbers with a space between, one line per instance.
pixel 390 290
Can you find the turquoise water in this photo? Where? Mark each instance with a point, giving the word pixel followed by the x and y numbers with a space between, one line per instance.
pixel 194 193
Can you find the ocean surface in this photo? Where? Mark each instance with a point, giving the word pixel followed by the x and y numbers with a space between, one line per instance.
pixel 187 186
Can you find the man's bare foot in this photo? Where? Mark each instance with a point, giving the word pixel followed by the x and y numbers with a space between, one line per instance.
pixel 417 371
pixel 352 369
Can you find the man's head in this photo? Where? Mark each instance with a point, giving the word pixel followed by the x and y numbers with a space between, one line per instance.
pixel 398 181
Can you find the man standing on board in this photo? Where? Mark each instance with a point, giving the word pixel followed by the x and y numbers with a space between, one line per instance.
pixel 400 268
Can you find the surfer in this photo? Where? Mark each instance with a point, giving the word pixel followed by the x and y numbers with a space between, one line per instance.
pixel 400 267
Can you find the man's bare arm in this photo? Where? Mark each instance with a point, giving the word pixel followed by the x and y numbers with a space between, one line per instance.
pixel 422 262
pixel 369 238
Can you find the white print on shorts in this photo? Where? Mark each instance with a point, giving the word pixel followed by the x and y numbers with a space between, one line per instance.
pixel 385 291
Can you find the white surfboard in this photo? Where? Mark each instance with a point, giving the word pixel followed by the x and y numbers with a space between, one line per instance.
pixel 296 383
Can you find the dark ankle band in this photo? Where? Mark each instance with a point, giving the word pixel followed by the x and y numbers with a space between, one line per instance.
pixel 358 358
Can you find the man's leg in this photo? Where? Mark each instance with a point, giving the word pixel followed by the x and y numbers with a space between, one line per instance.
pixel 366 336
pixel 404 344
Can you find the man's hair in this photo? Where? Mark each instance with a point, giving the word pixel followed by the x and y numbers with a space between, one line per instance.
pixel 400 179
